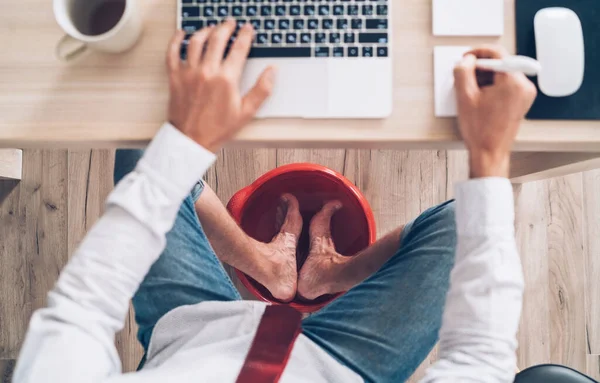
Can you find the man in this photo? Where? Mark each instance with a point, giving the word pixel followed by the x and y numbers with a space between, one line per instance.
pixel 193 325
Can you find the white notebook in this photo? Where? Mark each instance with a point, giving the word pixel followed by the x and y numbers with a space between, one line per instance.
pixel 468 17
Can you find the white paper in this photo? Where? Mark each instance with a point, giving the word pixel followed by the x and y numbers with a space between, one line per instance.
pixel 444 61
pixel 468 17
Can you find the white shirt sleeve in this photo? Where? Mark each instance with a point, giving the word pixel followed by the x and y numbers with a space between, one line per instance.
pixel 483 306
pixel 72 339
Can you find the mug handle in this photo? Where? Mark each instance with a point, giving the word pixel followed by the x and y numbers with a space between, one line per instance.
pixel 68 55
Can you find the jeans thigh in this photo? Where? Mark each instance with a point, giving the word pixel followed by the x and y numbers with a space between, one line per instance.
pixel 385 327
pixel 186 273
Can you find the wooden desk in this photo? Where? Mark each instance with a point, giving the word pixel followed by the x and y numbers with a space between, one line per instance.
pixel 108 101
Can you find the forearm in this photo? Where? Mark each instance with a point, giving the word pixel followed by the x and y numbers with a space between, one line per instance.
pixel 90 301
pixel 483 306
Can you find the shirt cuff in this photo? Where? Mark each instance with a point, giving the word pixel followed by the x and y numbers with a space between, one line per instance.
pixel 175 161
pixel 484 205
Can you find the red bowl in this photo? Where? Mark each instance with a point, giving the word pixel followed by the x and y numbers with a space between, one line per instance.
pixel 254 208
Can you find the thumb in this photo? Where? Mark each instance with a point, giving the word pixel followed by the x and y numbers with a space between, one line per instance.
pixel 465 76
pixel 320 226
pixel 258 94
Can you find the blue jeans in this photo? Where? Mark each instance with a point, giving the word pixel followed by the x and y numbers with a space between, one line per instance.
pixel 382 329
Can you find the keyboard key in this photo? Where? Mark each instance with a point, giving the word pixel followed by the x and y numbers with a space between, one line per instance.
pixel 240 22
pixel 294 10
pixel 324 10
pixel 313 24
pixel 382 52
pixel 280 10
pixel 237 11
pixel 334 38
pixel 309 10
pixel 352 52
pixel 255 24
pixel 251 10
pixel 320 37
pixel 321 52
pixel 378 38
pixel 262 38
pixel 258 52
pixel 244 1
pixel 190 12
pixel 270 24
pixel 342 24
pixel 223 11
pixel 382 10
pixel 338 10
pixel 291 38
pixel 305 38
pixel 298 23
pixel 266 10
pixel 188 1
pixel 276 38
pixel 357 23
pixel 211 22
pixel 377 24
pixel 201 1
pixel 284 24
pixel 215 1
pixel 327 23
pixel 353 10
pixel 230 1
pixel 367 10
pixel 191 26
pixel 349 38
pixel 367 52
pixel 209 11
pixel 338 52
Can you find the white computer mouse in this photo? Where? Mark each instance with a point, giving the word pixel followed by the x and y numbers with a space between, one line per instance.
pixel 560 51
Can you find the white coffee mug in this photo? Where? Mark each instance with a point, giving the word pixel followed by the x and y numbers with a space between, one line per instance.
pixel 111 26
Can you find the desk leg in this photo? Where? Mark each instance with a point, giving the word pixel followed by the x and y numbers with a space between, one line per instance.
pixel 11 164
pixel 535 166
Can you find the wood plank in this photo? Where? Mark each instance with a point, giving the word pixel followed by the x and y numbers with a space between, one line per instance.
pixel 90 182
pixel 334 159
pixel 566 268
pixel 11 164
pixel 593 366
pixel 457 170
pixel 527 167
pixel 591 232
pixel 532 236
pixel 33 247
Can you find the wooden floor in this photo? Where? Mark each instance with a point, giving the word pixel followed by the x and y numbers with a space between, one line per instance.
pixel 43 218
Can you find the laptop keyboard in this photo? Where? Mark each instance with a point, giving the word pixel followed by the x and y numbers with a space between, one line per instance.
pixel 299 28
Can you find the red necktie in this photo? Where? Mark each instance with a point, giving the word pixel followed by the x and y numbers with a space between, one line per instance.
pixel 271 348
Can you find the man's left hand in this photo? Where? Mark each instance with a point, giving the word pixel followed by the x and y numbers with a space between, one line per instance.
pixel 205 101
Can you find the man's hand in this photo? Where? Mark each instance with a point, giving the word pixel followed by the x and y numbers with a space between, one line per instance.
pixel 490 116
pixel 205 103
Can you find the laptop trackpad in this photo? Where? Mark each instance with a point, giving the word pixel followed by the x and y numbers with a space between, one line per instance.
pixel 301 87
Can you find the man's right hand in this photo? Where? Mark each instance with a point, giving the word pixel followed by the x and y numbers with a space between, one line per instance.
pixel 489 116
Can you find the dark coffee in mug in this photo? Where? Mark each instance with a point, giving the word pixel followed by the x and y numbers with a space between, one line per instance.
pixel 96 17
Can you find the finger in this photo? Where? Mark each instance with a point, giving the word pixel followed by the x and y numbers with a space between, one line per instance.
pixel 320 226
pixel 174 51
pixel 292 223
pixel 465 76
pixel 258 94
pixel 217 42
pixel 196 46
pixel 236 59
pixel 489 52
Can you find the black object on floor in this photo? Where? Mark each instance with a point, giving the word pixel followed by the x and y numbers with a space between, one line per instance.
pixel 585 104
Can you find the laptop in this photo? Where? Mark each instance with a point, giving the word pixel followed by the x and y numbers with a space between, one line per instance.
pixel 333 57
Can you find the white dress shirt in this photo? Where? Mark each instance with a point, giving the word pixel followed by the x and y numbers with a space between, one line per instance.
pixel 72 339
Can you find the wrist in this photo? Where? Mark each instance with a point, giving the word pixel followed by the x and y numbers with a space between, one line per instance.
pixel 489 164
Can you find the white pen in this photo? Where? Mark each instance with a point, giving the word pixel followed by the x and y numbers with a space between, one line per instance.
pixel 527 65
